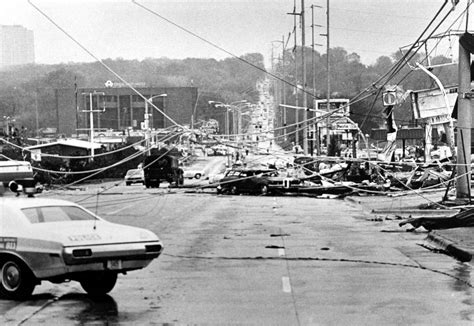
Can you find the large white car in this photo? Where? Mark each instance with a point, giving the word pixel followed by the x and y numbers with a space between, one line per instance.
pixel 56 240
pixel 193 173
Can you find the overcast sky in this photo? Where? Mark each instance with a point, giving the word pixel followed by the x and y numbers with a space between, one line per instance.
pixel 119 28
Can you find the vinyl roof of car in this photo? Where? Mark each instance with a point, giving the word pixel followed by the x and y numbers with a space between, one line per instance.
pixel 252 169
pixel 26 202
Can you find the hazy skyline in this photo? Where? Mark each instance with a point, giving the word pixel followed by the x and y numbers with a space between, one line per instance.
pixel 121 29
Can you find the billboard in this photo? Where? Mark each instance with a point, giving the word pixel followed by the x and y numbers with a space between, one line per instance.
pixel 430 103
pixel 341 105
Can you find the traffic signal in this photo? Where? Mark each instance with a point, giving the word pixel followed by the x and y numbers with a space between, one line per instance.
pixel 389 98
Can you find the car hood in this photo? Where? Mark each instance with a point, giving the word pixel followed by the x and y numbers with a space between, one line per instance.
pixel 80 233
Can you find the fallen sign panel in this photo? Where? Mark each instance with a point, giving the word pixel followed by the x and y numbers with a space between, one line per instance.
pixel 465 218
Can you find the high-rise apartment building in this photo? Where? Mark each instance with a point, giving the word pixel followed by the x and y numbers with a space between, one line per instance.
pixel 16 46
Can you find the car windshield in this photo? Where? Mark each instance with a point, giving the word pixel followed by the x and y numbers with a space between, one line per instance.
pixel 48 214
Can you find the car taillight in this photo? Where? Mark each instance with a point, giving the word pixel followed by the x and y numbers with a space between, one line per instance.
pixel 82 252
pixel 153 248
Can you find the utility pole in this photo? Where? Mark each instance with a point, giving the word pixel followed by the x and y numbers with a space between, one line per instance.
pixel 463 183
pixel 146 120
pixel 37 114
pixel 328 95
pixel 91 117
pixel 283 86
pixel 316 138
pixel 305 100
pixel 297 137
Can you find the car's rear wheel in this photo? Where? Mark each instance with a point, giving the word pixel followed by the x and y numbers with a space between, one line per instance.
pixel 128 183
pixel 99 283
pixel 234 190
pixel 198 176
pixel 17 281
pixel 264 190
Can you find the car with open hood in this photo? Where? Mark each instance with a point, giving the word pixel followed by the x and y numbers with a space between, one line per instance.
pixel 44 239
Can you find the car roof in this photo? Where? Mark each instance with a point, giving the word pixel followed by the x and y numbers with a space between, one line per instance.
pixel 28 202
pixel 252 170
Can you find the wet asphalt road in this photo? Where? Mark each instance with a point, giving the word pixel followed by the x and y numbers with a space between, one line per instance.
pixel 260 260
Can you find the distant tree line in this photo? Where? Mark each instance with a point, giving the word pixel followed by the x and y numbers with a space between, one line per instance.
pixel 27 92
pixel 348 77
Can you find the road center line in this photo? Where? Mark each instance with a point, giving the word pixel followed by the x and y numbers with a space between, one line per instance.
pixel 285 280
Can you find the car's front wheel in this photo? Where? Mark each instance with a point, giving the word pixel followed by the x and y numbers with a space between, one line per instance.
pixel 264 190
pixel 99 283
pixel 198 176
pixel 17 281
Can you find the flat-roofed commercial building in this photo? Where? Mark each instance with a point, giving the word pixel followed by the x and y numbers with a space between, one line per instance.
pixel 17 46
pixel 121 108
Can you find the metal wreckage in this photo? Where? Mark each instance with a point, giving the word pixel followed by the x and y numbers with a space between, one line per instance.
pixel 433 108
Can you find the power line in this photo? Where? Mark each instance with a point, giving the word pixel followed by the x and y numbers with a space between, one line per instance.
pixel 216 46
pixel 366 12
pixel 101 62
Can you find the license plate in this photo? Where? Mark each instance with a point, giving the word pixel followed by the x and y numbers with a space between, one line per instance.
pixel 114 264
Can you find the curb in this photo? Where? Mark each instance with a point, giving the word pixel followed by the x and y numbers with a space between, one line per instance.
pixel 450 247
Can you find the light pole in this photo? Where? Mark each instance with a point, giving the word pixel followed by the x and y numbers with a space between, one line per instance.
pixel 230 106
pixel 147 121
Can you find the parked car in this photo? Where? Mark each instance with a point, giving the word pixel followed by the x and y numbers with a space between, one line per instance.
pixel 57 241
pixel 194 173
pixel 220 149
pixel 246 181
pixel 134 176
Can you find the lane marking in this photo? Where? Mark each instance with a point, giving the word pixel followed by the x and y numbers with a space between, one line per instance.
pixel 281 252
pixel 285 280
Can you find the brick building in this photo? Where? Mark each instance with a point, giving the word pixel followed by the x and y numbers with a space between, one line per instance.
pixel 121 108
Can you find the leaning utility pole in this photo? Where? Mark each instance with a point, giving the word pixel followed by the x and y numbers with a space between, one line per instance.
pixel 463 183
pixel 305 101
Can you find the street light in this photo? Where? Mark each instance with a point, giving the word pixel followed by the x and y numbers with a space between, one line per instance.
pixel 235 108
pixel 226 122
pixel 147 120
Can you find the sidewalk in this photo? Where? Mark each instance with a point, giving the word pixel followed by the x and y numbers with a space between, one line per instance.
pixel 457 242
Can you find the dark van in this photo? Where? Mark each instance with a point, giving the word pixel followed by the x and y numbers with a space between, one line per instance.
pixel 158 168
